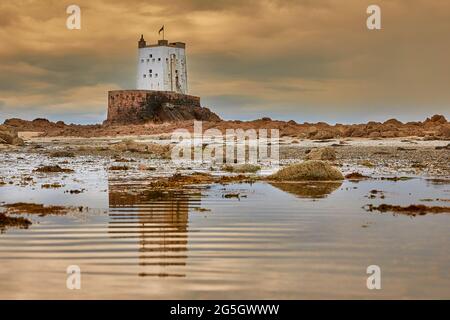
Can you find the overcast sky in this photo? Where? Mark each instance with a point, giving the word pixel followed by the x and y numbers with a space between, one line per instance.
pixel 307 60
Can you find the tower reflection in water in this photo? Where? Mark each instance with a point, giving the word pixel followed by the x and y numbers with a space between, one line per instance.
pixel 158 220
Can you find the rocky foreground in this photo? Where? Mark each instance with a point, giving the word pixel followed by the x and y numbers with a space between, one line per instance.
pixel 434 128
pixel 320 166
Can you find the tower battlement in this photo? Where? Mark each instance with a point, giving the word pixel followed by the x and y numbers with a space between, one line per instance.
pixel 162 43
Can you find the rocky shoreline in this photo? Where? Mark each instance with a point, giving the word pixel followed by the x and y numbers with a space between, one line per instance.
pixel 434 128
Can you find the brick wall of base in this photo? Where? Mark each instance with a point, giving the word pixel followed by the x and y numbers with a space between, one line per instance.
pixel 140 106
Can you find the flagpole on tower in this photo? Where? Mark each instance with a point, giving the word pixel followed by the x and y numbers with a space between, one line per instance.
pixel 162 30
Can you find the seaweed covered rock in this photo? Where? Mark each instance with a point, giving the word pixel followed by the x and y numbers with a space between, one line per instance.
pixel 312 170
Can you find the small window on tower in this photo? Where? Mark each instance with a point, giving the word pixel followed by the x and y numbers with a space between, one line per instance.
pixel 159 59
pixel 142 60
pixel 151 56
pixel 153 60
pixel 145 76
pixel 150 71
pixel 156 75
pixel 148 60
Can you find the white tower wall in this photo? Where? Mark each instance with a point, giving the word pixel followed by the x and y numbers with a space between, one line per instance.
pixel 162 67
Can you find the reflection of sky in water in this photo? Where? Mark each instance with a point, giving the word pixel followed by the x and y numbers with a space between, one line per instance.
pixel 267 244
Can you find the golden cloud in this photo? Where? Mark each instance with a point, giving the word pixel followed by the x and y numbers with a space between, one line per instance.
pixel 293 59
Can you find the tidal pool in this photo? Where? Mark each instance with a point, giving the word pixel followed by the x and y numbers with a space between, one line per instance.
pixel 237 241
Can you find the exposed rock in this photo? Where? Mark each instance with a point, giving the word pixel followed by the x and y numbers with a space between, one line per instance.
pixel 242 168
pixel 62 154
pixel 312 170
pixel 374 134
pixel 326 153
pixel 35 208
pixel 447 147
pixel 53 169
pixel 444 132
pixel 430 138
pixel 119 168
pixel 47 127
pixel 396 178
pixel 412 210
pixel 389 134
pixel 312 131
pixel 366 163
pixel 178 181
pixel 13 222
pixel 133 146
pixel 51 185
pixel 356 176
pixel 437 118
pixel 169 116
pixel 144 167
pixel 325 134
pixel 357 132
pixel 393 122
pixel 123 160
pixel 6 221
pixel 9 136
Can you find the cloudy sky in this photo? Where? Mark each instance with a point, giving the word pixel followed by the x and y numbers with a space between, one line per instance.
pixel 307 60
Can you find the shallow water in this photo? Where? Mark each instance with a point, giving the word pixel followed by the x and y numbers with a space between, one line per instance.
pixel 272 241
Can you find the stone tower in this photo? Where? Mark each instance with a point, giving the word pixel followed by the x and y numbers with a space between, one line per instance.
pixel 162 66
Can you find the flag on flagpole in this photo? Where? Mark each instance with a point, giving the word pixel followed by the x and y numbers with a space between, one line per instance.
pixel 161 30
